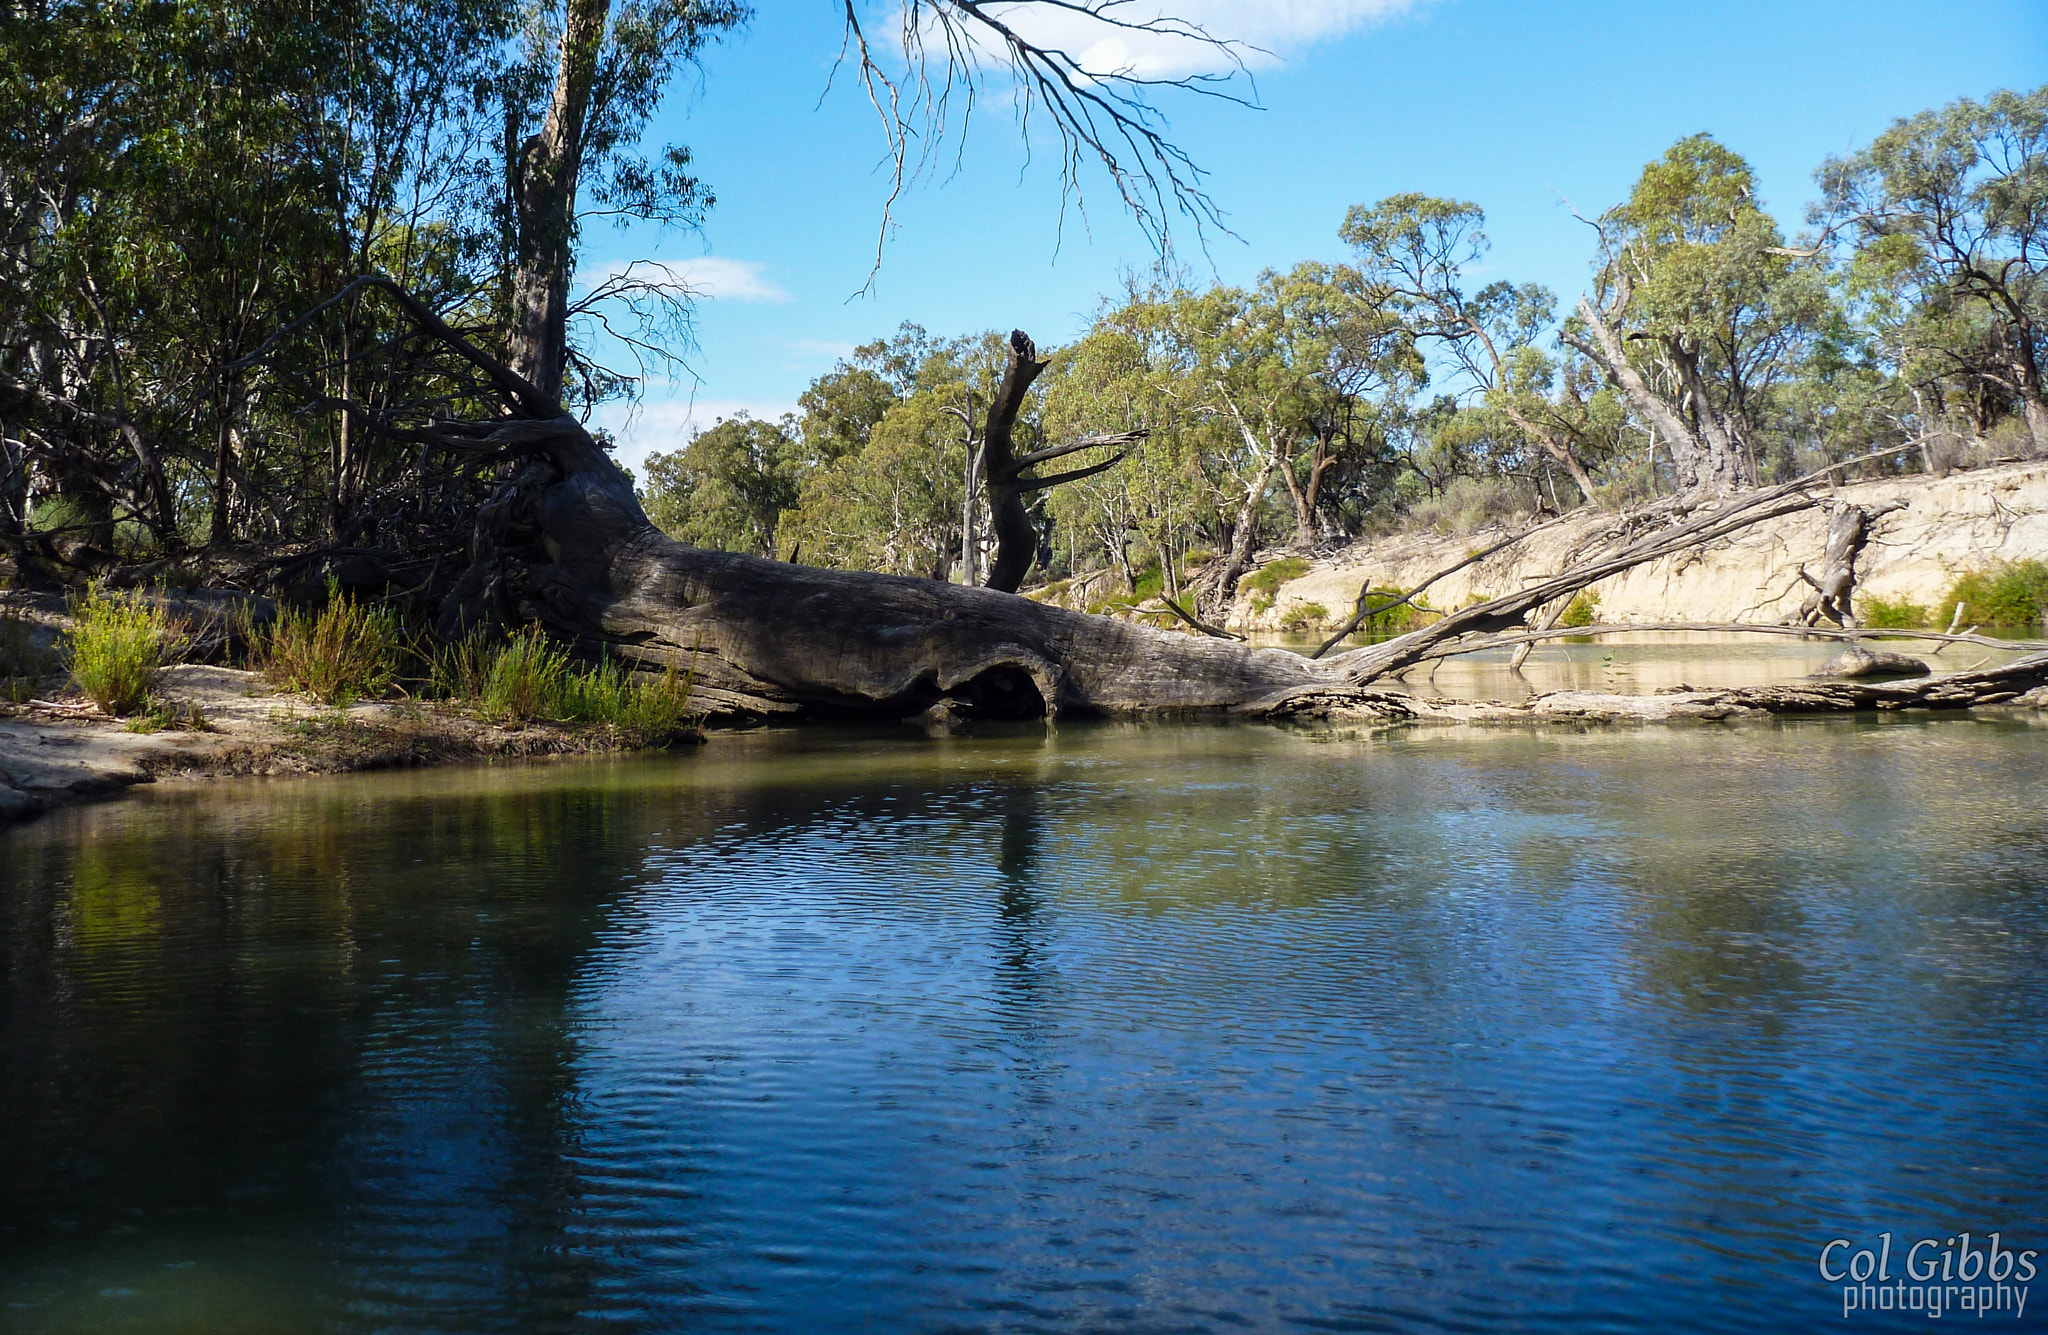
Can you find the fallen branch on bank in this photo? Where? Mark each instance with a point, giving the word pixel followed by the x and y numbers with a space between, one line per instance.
pixel 2023 682
pixel 1719 628
pixel 1509 611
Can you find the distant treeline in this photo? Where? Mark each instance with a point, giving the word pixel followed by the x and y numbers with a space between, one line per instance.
pixel 186 187
pixel 1710 352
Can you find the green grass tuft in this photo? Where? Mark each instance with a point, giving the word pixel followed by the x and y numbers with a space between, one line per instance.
pixel 1584 610
pixel 1267 579
pixel 1893 614
pixel 529 678
pixel 1305 616
pixel 342 653
pixel 1395 620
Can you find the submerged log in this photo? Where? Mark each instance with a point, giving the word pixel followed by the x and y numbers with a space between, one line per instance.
pixel 1857 662
pixel 2023 682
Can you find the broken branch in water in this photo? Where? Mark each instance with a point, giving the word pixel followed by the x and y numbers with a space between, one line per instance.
pixel 1721 627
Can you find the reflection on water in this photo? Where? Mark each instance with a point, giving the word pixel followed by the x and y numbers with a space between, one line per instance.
pixel 1643 664
pixel 1159 1028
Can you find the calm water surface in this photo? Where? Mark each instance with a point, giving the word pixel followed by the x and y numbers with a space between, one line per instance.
pixel 1116 1028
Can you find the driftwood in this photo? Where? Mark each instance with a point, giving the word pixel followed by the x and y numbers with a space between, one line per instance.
pixel 1856 661
pixel 1534 636
pixel 1833 593
pixel 2022 682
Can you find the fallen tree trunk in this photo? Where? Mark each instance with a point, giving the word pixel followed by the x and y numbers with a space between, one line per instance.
pixel 563 542
pixel 1524 638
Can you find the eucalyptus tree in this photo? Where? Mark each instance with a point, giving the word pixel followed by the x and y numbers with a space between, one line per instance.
pixel 884 446
pixel 1946 216
pixel 1415 250
pixel 1699 310
pixel 728 488
pixel 1357 364
pixel 1116 378
pixel 610 66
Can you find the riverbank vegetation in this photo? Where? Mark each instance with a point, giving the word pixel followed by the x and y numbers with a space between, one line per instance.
pixel 289 302
pixel 114 648
pixel 1716 349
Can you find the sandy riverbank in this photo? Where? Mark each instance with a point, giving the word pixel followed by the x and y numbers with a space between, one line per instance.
pixel 53 757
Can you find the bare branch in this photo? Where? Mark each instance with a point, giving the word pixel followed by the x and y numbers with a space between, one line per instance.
pixel 1099 115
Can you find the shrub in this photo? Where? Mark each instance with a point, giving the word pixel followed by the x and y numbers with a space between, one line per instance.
pixel 1268 578
pixel 118 647
pixel 527 679
pixel 458 671
pixel 1583 610
pixel 1305 616
pixel 343 653
pixel 2010 593
pixel 1893 614
pixel 645 708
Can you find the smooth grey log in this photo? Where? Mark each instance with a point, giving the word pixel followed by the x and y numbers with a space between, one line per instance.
pixel 1855 662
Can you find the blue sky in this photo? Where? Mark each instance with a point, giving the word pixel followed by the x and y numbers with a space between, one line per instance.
pixel 1508 105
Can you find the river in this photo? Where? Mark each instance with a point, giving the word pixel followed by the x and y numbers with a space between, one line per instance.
pixel 1144 1028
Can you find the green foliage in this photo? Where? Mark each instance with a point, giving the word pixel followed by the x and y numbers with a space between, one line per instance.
pixel 1893 614
pixel 1944 213
pixel 529 678
pixel 727 489
pixel 2010 593
pixel 1393 620
pixel 458 670
pixel 1583 610
pixel 1268 578
pixel 162 715
pixel 344 652
pixel 118 647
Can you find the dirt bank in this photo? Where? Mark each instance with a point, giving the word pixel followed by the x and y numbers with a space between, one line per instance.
pixel 233 723
pixel 1949 525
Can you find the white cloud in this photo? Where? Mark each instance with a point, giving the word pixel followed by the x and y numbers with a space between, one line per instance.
pixel 667 424
pixel 708 276
pixel 1268 31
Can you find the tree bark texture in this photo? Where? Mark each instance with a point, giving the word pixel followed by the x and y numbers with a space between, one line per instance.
pixel 1002 468
pixel 565 543
pixel 1705 456
pixel 1010 522
pixel 545 202
pixel 1834 593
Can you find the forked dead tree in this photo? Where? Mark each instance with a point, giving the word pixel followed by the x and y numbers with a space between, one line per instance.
pixel 1002 468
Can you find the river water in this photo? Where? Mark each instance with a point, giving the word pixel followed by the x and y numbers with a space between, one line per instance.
pixel 1134 1028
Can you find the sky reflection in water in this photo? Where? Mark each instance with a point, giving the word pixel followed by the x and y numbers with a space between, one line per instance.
pixel 1159 1028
